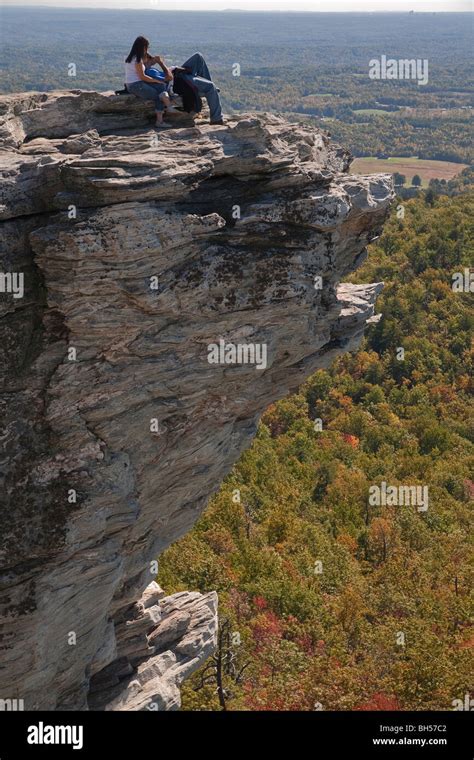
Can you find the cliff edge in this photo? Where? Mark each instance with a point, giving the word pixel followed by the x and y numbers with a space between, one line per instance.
pixel 157 292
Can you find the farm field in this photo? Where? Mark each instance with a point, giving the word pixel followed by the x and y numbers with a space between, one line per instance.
pixel 373 111
pixel 425 168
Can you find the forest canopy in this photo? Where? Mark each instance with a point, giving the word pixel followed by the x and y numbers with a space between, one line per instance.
pixel 327 602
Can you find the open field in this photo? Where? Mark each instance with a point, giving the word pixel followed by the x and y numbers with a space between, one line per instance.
pixel 372 111
pixel 425 168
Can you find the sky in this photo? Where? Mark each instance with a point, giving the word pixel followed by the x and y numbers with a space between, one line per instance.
pixel 262 5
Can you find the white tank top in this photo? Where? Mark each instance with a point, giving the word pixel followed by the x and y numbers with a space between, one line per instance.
pixel 131 75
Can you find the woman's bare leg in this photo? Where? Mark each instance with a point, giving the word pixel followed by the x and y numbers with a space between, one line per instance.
pixel 166 100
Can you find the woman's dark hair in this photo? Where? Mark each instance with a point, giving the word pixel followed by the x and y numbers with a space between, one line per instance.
pixel 139 48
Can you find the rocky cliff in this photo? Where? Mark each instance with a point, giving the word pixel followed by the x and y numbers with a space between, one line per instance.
pixel 128 257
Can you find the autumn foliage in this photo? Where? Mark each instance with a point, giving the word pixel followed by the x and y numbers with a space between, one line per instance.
pixel 339 605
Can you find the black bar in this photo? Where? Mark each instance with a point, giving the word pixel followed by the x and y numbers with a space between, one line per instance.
pixel 157 735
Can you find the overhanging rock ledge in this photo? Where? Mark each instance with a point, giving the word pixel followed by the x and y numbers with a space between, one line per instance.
pixel 138 251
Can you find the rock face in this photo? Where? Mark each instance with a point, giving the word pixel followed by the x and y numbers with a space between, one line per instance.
pixel 146 657
pixel 141 255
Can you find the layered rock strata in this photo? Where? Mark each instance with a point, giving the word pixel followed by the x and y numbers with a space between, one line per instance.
pixel 140 253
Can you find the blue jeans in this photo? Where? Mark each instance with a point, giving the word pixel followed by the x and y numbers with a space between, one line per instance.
pixel 201 78
pixel 148 91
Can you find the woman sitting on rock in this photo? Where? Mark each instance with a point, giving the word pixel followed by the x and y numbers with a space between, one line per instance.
pixel 149 88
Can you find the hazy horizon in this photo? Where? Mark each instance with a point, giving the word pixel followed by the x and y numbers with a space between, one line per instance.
pixel 318 6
